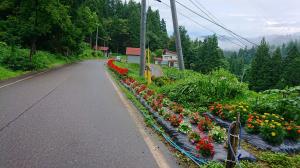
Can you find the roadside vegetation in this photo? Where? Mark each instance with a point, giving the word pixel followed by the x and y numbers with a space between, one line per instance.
pixel 273 114
pixel 14 61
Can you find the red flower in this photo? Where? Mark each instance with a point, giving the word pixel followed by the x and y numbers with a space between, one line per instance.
pixel 119 70
pixel 205 147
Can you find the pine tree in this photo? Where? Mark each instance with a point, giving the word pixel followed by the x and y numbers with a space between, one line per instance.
pixel 260 74
pixel 276 62
pixel 291 67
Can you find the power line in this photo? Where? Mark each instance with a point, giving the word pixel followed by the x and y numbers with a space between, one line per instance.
pixel 222 36
pixel 214 19
pixel 216 23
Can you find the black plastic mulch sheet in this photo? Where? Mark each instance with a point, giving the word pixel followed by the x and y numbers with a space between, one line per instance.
pixel 181 139
pixel 287 146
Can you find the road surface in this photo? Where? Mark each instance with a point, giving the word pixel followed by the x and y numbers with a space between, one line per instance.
pixel 69 117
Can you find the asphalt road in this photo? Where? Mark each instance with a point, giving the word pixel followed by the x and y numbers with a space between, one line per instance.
pixel 69 117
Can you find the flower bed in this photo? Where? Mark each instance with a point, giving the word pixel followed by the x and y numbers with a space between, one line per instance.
pixel 195 133
pixel 115 68
pixel 273 128
pixel 256 140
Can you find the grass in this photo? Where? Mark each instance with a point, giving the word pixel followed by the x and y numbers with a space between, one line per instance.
pixel 41 61
pixel 7 73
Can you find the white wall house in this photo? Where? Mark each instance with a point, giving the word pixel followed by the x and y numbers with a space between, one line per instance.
pixel 168 58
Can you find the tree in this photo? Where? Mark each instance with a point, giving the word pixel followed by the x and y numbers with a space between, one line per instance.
pixel 291 68
pixel 260 73
pixel 209 56
pixel 37 18
pixel 276 64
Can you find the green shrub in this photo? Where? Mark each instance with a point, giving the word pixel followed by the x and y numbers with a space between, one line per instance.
pixel 161 81
pixel 16 60
pixel 40 61
pixel 284 102
pixel 200 90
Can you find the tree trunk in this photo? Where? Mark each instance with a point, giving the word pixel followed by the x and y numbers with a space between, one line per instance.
pixel 91 43
pixel 32 49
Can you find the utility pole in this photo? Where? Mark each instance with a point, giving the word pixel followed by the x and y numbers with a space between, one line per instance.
pixel 177 35
pixel 143 37
pixel 97 38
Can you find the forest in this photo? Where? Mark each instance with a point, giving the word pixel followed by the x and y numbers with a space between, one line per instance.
pixel 68 27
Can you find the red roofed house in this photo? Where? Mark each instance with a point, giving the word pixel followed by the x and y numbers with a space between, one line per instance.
pixel 133 55
pixel 103 49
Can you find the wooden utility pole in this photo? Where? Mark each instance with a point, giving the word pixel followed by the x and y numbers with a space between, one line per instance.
pixel 234 141
pixel 143 37
pixel 96 48
pixel 177 35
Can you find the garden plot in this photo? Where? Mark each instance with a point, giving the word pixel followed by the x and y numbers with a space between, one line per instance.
pixel 198 125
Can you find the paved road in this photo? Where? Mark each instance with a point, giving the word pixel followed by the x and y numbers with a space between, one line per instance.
pixel 69 117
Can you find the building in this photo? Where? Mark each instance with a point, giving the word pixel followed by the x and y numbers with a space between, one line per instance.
pixel 104 50
pixel 169 58
pixel 133 55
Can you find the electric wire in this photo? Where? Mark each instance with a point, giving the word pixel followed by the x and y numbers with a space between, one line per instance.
pixel 222 36
pixel 216 23
pixel 212 18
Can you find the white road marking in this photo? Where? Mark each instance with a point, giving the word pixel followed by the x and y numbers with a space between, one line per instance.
pixel 157 155
pixel 20 80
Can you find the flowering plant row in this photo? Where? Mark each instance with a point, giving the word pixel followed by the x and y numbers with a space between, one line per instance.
pixel 229 111
pixel 177 116
pixel 272 127
pixel 119 70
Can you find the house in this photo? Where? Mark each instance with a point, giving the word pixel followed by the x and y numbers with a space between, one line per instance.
pixel 133 55
pixel 104 50
pixel 169 58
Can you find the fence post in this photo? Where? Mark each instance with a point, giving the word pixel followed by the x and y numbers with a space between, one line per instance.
pixel 234 141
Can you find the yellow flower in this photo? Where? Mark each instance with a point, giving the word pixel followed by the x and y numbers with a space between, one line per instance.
pixel 272 126
pixel 263 116
pixel 244 110
pixel 266 121
pixel 278 124
pixel 273 134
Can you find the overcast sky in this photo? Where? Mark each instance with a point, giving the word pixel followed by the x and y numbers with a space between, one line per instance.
pixel 250 18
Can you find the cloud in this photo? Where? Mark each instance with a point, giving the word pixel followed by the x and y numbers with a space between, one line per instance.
pixel 247 17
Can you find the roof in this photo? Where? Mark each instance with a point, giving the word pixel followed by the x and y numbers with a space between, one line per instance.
pixel 101 48
pixel 133 51
pixel 166 51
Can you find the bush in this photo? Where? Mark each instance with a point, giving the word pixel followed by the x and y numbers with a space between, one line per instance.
pixel 161 81
pixel 284 102
pixel 199 90
pixel 16 59
pixel 40 61
pixel 272 131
